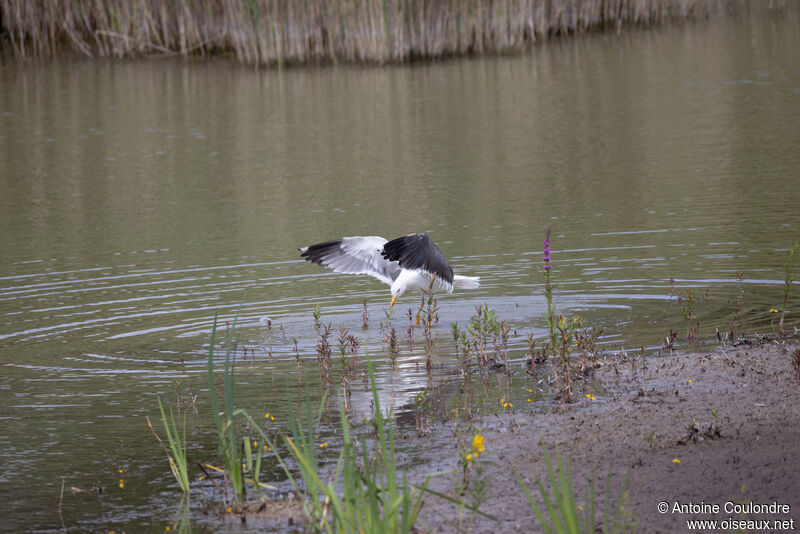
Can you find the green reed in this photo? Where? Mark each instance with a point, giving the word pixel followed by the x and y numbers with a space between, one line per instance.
pixel 176 451
pixel 372 498
pixel 364 493
pixel 229 439
pixel 562 512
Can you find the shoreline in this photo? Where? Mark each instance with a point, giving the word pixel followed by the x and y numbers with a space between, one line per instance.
pixel 268 33
pixel 730 417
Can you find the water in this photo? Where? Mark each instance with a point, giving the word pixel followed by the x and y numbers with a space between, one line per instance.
pixel 139 198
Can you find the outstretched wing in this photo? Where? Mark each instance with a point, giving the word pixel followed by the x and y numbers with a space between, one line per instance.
pixel 354 255
pixel 417 251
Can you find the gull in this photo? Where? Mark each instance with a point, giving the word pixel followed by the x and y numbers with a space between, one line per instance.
pixel 409 262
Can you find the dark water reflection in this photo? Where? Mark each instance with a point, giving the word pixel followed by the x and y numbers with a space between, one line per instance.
pixel 140 198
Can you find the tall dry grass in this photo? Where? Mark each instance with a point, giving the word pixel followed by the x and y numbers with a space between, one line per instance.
pixel 276 32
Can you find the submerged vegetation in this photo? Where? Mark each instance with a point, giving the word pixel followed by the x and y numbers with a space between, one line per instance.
pixel 279 32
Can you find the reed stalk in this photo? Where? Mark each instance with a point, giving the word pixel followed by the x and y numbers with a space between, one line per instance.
pixel 229 440
pixel 787 286
pixel 561 513
pixel 276 32
pixel 176 450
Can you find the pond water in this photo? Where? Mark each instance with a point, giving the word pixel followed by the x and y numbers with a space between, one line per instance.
pixel 140 198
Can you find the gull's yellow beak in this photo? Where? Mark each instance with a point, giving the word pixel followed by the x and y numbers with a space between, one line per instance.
pixel 392 303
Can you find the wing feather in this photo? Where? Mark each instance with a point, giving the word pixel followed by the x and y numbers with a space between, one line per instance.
pixel 354 255
pixel 418 251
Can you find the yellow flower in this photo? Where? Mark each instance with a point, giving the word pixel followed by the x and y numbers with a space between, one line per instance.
pixel 688 380
pixel 676 461
pixel 323 444
pixel 530 390
pixel 228 510
pixel 580 507
pixel 477 444
pixel 469 457
pixel 773 310
pixel 121 483
pixel 268 416
pixel 589 396
pixel 529 400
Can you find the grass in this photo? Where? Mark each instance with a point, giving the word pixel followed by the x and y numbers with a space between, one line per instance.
pixel 176 451
pixel 364 492
pixel 229 439
pixel 562 514
pixel 372 497
pixel 277 33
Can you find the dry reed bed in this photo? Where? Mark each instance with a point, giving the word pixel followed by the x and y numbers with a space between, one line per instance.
pixel 276 32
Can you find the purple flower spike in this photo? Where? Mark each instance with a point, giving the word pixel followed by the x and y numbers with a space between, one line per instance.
pixel 548 266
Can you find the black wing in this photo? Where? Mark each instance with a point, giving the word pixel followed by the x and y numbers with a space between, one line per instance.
pixel 417 251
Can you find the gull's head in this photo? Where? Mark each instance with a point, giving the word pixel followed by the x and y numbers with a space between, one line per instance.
pixel 400 285
pixel 397 290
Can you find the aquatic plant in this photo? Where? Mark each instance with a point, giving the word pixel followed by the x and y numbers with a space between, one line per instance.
pixel 429 308
pixel 548 291
pixel 342 345
pixel 692 326
pixel 176 451
pixel 737 312
pixel 365 317
pixel 564 514
pixel 324 352
pixel 276 33
pixel 229 440
pixel 669 341
pixel 455 332
pixel 317 314
pixel 586 343
pixel 566 330
pixel 297 359
pixel 372 499
pixel 787 285
pixel 269 339
pixel 394 348
pixel 481 327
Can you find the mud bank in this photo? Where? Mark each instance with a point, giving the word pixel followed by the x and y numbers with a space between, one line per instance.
pixel 699 430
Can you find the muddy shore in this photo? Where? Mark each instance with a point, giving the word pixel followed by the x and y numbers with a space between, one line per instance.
pixel 700 430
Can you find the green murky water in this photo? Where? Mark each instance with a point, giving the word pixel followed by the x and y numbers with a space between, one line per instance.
pixel 139 198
